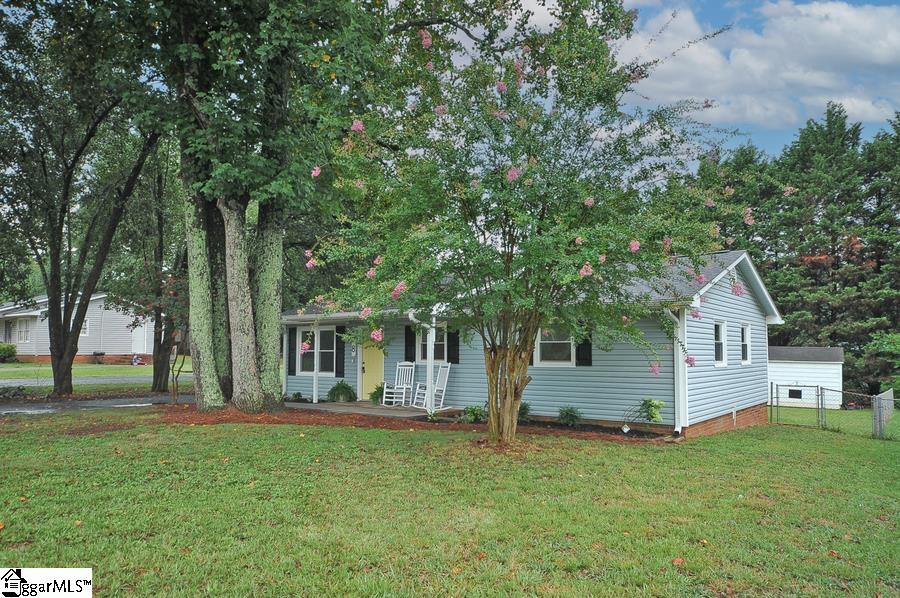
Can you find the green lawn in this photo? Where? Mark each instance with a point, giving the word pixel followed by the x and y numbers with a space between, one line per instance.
pixel 287 510
pixel 852 422
pixel 42 371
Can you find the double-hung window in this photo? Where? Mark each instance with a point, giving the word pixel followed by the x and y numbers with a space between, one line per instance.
pixel 745 344
pixel 316 345
pixel 85 328
pixel 440 344
pixel 554 347
pixel 23 334
pixel 720 344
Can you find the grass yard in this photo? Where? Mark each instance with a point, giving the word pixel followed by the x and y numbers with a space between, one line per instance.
pixel 851 422
pixel 286 510
pixel 42 372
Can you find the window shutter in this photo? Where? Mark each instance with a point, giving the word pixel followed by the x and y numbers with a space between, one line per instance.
pixel 292 352
pixel 409 346
pixel 583 353
pixel 531 357
pixel 453 346
pixel 339 351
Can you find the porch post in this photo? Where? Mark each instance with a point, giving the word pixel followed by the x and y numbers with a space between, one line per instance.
pixel 284 357
pixel 315 363
pixel 429 364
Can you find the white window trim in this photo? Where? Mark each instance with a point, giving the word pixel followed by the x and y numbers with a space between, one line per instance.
pixel 23 325
pixel 421 338
pixel 552 364
pixel 748 335
pixel 724 362
pixel 85 328
pixel 301 333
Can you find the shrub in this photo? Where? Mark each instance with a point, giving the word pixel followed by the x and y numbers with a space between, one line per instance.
pixel 341 392
pixel 377 394
pixel 12 393
pixel 649 410
pixel 297 397
pixel 473 415
pixel 7 353
pixel 569 416
pixel 524 412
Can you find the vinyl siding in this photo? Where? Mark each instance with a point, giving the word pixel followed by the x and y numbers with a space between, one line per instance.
pixel 801 373
pixel 303 383
pixel 715 391
pixel 617 381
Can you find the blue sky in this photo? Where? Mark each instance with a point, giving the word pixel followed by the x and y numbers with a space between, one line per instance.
pixel 778 65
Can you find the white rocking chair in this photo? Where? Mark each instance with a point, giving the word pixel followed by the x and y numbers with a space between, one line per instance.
pixel 401 391
pixel 440 385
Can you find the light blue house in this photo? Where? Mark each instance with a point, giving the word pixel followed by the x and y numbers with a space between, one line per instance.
pixel 719 380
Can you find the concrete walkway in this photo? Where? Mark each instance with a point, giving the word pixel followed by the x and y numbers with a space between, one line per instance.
pixel 361 408
pixel 37 408
pixel 80 380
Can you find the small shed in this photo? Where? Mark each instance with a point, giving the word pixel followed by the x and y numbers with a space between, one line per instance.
pixel 798 372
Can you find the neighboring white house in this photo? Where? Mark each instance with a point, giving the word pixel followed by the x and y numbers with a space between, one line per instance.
pixel 106 333
pixel 799 372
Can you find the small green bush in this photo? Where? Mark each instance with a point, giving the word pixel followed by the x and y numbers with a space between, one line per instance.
pixel 569 416
pixel 472 414
pixel 7 353
pixel 649 410
pixel 377 394
pixel 297 397
pixel 341 392
pixel 12 393
pixel 524 412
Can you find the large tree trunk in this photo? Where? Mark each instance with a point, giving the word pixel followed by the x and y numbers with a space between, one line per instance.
pixel 507 374
pixel 269 262
pixel 221 339
pixel 61 364
pixel 207 391
pixel 247 394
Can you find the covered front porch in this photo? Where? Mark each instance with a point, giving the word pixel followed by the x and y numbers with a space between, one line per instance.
pixel 362 408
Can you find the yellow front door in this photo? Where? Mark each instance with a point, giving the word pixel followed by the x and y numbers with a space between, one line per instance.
pixel 373 370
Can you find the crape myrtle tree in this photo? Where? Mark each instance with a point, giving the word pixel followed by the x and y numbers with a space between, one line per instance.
pixel 146 273
pixel 528 196
pixel 69 88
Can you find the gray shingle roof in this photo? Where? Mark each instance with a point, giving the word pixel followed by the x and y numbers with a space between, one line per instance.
pixel 681 282
pixel 818 354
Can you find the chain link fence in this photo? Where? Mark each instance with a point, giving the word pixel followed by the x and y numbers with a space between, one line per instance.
pixel 834 409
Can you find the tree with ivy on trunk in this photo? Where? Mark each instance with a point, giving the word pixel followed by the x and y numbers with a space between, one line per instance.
pixel 528 196
pixel 70 92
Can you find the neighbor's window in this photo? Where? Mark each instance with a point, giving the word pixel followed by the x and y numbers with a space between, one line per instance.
pixel 745 343
pixel 719 344
pixel 795 393
pixel 554 347
pixel 24 331
pixel 85 328
pixel 440 344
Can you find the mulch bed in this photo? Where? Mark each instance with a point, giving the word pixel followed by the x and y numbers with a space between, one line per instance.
pixel 188 414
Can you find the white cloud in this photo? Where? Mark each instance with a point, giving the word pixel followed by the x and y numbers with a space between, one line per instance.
pixel 785 69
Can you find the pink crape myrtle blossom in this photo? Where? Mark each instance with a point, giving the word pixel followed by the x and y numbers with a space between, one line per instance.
pixel 520 74
pixel 501 87
pixel 540 70
pixel 359 183
pixel 500 114
pixel 690 360
pixel 370 273
pixel 315 172
pixel 365 312
pixel 330 304
pixel 667 244
pixel 634 246
pixel 586 270
pixel 425 36
pixel 378 259
pixel 320 298
pixel 312 263
pixel 377 335
pixel 441 110
pixel 625 319
pixel 398 290
pixel 710 202
pixel 429 65
pixel 738 289
pixel 357 126
pixel 513 173
pixel 308 253
pixel 304 347
pixel 789 190
pixel 589 202
pixel 579 240
pixel 748 216
pixel 602 258
pixel 729 190
pixel 655 368
pixel 695 313
pixel 700 278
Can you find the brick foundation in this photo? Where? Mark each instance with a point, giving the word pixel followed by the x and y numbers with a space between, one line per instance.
pixel 104 359
pixel 757 415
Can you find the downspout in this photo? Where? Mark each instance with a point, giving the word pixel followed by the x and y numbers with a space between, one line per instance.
pixel 284 359
pixel 680 369
pixel 315 331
